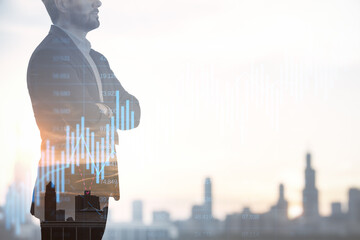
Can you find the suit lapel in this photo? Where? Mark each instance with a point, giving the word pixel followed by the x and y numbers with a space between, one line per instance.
pixel 80 61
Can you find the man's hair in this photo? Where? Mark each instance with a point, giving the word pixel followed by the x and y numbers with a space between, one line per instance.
pixel 51 9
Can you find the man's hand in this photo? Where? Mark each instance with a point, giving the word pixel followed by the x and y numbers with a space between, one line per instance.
pixel 105 109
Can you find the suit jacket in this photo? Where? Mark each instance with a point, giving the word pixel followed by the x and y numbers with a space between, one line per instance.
pixel 63 90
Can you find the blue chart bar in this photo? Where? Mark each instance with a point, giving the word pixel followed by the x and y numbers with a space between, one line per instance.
pixel 39 178
pixel 97 162
pixel 7 211
pixel 92 152
pixel 13 203
pixel 127 114
pixel 102 158
pixel 112 136
pixel 82 135
pixel 117 109
pixel 22 204
pixel 57 182
pixel 68 145
pixel 53 164
pixel 77 144
pixel 72 153
pixel 19 209
pixel 88 147
pixel 122 118
pixel 132 119
pixel 107 144
pixel 17 201
pixel 47 160
pixel 37 194
pixel 62 171
pixel 42 171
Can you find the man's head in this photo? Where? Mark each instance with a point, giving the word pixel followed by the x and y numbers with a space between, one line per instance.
pixel 82 14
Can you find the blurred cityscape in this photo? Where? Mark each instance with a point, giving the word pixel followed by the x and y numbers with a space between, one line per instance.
pixel 15 219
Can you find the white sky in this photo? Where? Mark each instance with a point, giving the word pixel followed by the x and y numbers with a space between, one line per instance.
pixel 188 63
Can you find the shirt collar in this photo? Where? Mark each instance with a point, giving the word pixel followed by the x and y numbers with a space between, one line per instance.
pixel 82 43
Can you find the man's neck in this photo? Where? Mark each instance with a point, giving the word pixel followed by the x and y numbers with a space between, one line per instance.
pixel 79 33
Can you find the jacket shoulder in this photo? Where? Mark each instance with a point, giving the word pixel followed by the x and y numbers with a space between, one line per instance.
pixel 54 48
pixel 53 55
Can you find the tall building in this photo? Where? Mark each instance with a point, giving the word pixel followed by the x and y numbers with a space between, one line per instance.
pixel 276 220
pixel 204 211
pixel 310 192
pixel 354 205
pixel 50 202
pixel 137 211
pixel 208 199
pixel 282 205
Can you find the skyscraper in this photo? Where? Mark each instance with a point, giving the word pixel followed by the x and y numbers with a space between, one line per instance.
pixel 137 211
pixel 208 199
pixel 354 205
pixel 204 211
pixel 310 192
pixel 50 202
pixel 282 205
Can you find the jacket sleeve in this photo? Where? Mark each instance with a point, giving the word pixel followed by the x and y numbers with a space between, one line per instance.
pixel 124 97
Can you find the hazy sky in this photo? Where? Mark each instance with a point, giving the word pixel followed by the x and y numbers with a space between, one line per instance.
pixel 235 90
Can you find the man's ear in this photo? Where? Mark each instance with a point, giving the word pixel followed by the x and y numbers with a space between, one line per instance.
pixel 62 5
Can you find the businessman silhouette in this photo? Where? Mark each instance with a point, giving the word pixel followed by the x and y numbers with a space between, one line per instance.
pixel 76 100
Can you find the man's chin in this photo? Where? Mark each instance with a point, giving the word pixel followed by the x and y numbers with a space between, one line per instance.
pixel 86 25
pixel 93 26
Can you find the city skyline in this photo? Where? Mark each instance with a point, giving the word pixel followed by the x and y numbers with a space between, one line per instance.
pixel 309 182
pixel 309 200
pixel 310 206
pixel 341 221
